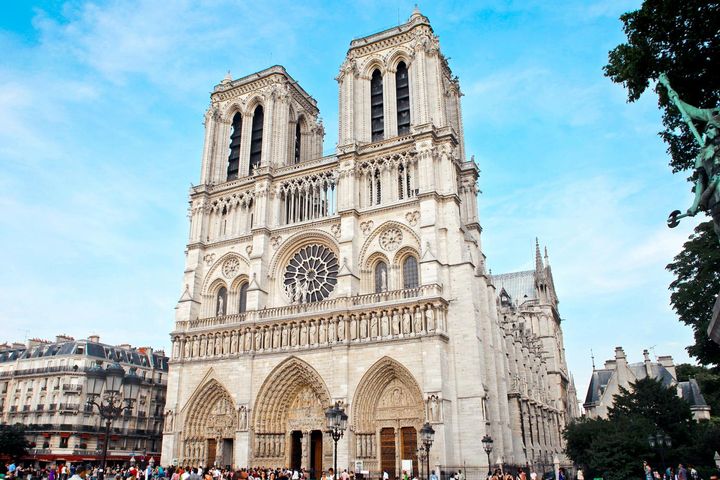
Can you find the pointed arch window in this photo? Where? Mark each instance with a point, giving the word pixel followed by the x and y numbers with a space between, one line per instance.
pixel 410 273
pixel 234 157
pixel 297 142
pixel 381 277
pixel 242 307
pixel 256 138
pixel 377 119
pixel 221 302
pixel 402 89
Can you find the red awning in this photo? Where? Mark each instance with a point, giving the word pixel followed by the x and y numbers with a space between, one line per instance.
pixel 65 434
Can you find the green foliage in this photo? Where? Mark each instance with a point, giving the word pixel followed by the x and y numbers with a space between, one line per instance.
pixel 12 440
pixel 615 448
pixel 680 38
pixel 696 285
pixel 708 380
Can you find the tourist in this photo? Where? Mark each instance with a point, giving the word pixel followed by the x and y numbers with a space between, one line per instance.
pixel 80 472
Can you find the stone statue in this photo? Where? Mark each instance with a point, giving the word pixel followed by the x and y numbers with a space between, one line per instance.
pixel 220 306
pixel 384 325
pixel 430 317
pixel 313 330
pixel 242 418
pixel 418 323
pixel 406 322
pixel 341 329
pixel 331 331
pixel 258 340
pixel 396 323
pixel 434 408
pixel 169 421
pixel 383 280
pixel 707 163
pixel 373 325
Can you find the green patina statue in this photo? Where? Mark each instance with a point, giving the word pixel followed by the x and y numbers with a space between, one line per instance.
pixel 707 163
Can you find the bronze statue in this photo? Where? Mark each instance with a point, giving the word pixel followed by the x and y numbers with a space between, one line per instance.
pixel 707 163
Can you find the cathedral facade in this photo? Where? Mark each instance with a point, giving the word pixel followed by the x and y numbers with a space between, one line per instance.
pixel 356 278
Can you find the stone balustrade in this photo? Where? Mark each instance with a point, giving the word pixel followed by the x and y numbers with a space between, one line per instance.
pixel 385 316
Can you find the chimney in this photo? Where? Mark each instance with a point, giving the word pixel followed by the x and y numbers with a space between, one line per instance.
pixel 4 346
pixel 648 364
pixel 124 346
pixel 94 338
pixel 63 338
pixel 610 364
pixel 18 345
pixel 667 362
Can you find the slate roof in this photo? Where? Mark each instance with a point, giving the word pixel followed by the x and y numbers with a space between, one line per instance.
pixel 519 285
pixel 690 391
pixel 133 356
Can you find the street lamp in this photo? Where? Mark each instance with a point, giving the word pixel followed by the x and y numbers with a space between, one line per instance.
pixel 487 443
pixel 661 440
pixel 107 383
pixel 336 423
pixel 427 435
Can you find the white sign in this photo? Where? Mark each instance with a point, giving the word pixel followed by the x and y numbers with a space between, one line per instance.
pixel 407 467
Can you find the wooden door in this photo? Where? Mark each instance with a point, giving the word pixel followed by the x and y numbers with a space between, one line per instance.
pixel 409 446
pixel 211 452
pixel 387 451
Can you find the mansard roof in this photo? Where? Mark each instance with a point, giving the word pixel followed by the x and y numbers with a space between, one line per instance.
pixel 519 285
pixel 688 391
pixel 135 356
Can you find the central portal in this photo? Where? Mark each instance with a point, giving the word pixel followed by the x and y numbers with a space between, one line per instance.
pixel 289 419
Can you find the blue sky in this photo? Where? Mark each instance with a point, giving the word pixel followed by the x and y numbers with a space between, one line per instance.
pixel 101 108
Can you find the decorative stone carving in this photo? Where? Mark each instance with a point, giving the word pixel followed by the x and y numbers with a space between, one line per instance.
pixel 231 267
pixel 412 218
pixel 434 408
pixel 242 418
pixel 275 242
pixel 209 258
pixel 249 249
pixel 391 238
pixel 335 230
pixel 367 227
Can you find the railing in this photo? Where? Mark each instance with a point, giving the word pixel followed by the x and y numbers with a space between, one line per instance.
pixel 69 387
pixel 325 306
pixel 69 407
pixel 42 370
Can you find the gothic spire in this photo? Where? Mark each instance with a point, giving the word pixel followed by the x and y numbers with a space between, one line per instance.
pixel 538 257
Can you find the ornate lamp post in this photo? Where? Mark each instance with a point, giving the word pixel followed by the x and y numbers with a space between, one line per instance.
pixel 661 440
pixel 427 435
pixel 487 443
pixel 104 393
pixel 336 423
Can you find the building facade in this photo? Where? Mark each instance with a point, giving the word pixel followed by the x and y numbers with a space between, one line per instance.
pixel 43 385
pixel 356 278
pixel 617 373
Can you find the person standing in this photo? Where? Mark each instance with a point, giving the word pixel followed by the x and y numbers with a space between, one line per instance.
pixel 682 473
pixel 80 473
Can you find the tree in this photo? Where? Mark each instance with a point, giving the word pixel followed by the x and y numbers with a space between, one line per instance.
pixel 696 285
pixel 680 38
pixel 12 440
pixel 615 447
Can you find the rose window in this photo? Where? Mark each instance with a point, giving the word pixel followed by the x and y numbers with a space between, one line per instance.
pixel 311 274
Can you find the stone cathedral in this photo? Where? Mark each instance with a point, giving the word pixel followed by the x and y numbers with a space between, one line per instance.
pixel 356 278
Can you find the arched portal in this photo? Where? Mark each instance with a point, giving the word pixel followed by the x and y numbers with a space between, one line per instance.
pixel 388 412
pixel 210 426
pixel 289 417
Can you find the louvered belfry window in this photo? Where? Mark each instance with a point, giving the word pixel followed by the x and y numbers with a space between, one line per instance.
pixel 234 157
pixel 297 142
pixel 256 138
pixel 377 118
pixel 402 86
